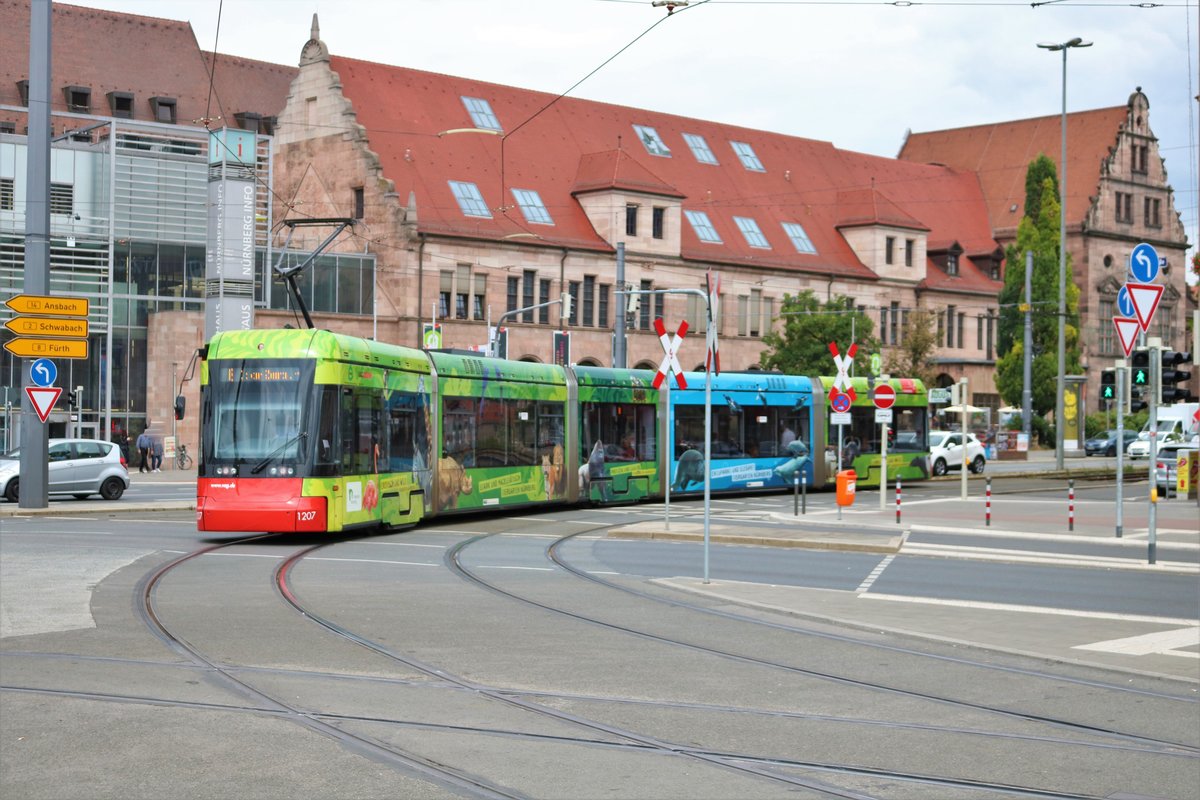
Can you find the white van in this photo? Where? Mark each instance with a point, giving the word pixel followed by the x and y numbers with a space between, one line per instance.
pixel 1176 423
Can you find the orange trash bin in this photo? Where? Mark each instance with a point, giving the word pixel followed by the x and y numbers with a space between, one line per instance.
pixel 846 480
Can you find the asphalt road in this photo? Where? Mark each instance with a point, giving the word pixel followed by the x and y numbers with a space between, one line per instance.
pixel 534 656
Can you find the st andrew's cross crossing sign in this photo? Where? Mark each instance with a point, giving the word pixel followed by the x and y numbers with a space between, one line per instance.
pixel 670 362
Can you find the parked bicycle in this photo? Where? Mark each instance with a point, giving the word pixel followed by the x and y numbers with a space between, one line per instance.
pixel 182 459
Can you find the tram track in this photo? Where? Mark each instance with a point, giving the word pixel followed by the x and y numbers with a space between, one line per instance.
pixel 1121 740
pixel 1165 746
pixel 369 747
pixel 762 766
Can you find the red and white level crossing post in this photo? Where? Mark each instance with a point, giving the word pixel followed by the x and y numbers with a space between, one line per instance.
pixel 1071 505
pixel 897 500
pixel 987 514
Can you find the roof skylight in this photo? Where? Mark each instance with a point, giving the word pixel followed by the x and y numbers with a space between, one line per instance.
pixel 653 143
pixel 795 232
pixel 469 199
pixel 481 113
pixel 754 235
pixel 704 229
pixel 700 148
pixel 532 206
pixel 746 154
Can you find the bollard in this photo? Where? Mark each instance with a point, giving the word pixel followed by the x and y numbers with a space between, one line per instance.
pixel 795 495
pixel 987 517
pixel 804 493
pixel 1071 504
pixel 897 500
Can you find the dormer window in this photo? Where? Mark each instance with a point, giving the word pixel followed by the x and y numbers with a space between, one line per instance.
pixel 754 235
pixel 700 148
pixel 795 232
pixel 79 99
pixel 120 104
pixel 746 155
pixel 163 109
pixel 653 143
pixel 481 113
pixel 469 199
pixel 532 206
pixel 952 264
pixel 704 229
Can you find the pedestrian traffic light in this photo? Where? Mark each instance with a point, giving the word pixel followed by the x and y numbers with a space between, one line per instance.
pixel 635 303
pixel 1172 375
pixel 1139 373
pixel 1108 388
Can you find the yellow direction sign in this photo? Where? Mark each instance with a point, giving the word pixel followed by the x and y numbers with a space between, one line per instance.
pixel 48 306
pixel 48 326
pixel 47 348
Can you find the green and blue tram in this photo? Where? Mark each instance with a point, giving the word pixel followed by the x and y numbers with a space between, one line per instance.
pixel 908 434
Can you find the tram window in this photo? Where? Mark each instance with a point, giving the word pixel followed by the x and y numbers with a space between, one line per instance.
pixel 401 431
pixel 761 434
pixel 458 430
pixel 689 429
pixel 360 423
pixel 522 432
pixel 727 433
pixel 647 440
pixel 326 461
pixel 491 436
pixel 909 425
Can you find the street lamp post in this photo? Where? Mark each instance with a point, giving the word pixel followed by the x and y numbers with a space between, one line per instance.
pixel 1060 388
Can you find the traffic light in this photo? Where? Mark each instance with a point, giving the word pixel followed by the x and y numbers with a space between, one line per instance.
pixel 1139 382
pixel 70 400
pixel 635 303
pixel 566 305
pixel 1108 388
pixel 1169 391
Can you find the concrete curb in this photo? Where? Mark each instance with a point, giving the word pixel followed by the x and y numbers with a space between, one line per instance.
pixel 857 540
pixel 84 508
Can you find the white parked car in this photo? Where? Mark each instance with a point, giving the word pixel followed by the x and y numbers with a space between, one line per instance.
pixel 945 452
pixel 78 467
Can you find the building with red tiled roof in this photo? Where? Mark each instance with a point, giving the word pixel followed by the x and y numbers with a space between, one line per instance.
pixel 478 198
pixel 1117 196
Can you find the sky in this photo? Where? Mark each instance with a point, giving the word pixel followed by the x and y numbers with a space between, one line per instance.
pixel 858 73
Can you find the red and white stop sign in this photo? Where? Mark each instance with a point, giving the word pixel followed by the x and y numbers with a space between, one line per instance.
pixel 885 396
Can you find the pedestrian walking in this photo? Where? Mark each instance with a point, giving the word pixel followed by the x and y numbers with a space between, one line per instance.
pixel 156 453
pixel 143 445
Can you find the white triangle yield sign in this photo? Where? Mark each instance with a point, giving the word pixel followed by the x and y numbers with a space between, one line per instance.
pixel 43 399
pixel 1127 331
pixel 1145 297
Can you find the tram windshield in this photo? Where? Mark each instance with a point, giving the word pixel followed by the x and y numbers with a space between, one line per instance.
pixel 256 412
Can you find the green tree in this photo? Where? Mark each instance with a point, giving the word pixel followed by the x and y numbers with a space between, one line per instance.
pixel 1039 234
pixel 1040 170
pixel 918 341
pixel 800 346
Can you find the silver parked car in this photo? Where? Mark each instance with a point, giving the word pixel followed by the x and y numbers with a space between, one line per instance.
pixel 79 467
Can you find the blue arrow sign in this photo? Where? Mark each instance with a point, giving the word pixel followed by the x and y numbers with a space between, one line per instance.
pixel 43 372
pixel 1124 302
pixel 1143 263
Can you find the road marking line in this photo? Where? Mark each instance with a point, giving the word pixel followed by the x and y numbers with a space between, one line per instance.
pixel 875 573
pixel 407 544
pixel 1052 537
pixel 1060 612
pixel 1021 557
pixel 1162 642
